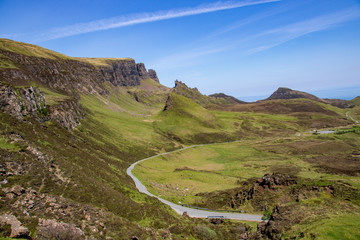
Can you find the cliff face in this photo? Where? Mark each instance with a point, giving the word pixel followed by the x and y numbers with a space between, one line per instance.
pixel 23 102
pixel 69 74
pixel 30 101
pixel 28 65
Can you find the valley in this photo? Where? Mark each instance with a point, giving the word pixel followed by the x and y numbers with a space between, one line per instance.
pixel 71 127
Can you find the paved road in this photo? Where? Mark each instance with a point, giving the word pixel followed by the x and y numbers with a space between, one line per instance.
pixel 347 115
pixel 190 211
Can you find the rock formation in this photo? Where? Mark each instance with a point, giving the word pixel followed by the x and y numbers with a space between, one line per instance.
pixel 71 74
pixel 287 93
pixel 30 101
pixel 23 101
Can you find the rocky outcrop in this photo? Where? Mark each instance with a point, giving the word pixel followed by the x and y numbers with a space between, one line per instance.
pixel 281 220
pixel 68 74
pixel 210 101
pixel 67 113
pixel 30 101
pixel 153 75
pixel 51 229
pixel 287 93
pixel 274 181
pixel 23 102
pixel 125 73
pixel 17 230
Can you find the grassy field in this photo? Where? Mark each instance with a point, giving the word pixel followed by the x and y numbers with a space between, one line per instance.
pixel 180 176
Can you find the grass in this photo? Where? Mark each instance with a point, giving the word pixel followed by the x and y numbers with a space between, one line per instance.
pixel 101 61
pixel 37 51
pixel 342 226
pixel 221 166
pixel 4 144
pixel 53 98
pixel 29 49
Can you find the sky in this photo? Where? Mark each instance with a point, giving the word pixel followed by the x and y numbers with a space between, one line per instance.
pixel 243 48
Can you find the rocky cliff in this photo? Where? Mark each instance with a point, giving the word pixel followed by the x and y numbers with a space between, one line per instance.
pixel 28 65
pixel 22 102
pixel 65 73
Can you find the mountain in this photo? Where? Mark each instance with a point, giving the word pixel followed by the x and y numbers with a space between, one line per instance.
pixel 287 93
pixel 230 99
pixel 205 101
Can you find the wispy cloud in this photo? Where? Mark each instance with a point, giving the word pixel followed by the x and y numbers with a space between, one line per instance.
pixel 186 58
pixel 123 21
pixel 278 36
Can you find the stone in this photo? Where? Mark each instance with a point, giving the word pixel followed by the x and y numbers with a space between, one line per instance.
pixel 51 229
pixel 17 230
pixel 17 190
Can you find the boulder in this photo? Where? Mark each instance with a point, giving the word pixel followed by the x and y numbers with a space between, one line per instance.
pixel 17 230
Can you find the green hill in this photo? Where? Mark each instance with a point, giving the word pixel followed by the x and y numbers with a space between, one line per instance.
pixel 355 101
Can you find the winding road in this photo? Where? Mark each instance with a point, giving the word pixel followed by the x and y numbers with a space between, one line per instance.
pixel 190 211
pixel 347 115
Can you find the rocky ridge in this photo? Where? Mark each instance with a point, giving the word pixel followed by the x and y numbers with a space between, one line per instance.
pixel 68 74
pixel 203 100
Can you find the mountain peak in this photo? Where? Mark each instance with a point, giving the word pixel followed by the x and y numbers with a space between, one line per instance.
pixel 287 93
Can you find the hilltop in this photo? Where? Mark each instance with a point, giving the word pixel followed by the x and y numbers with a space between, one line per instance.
pixel 287 93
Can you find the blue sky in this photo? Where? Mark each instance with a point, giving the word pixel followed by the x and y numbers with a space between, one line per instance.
pixel 244 48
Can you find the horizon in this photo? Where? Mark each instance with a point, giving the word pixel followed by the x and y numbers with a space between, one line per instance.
pixel 241 48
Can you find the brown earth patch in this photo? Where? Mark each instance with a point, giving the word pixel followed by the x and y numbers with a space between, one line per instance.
pixel 307 147
pixel 285 169
pixel 337 164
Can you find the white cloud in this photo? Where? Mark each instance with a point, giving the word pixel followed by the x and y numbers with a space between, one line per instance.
pixel 123 21
pixel 278 36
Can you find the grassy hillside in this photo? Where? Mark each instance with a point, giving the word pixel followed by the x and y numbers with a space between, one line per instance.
pixel 37 51
pixel 184 120
pixel 355 101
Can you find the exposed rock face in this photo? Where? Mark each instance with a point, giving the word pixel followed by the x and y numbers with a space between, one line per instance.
pixel 51 229
pixel 126 73
pixel 17 230
pixel 287 93
pixel 153 75
pixel 281 220
pixel 68 113
pixel 67 75
pixel 24 102
pixel 31 101
pixel 273 181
